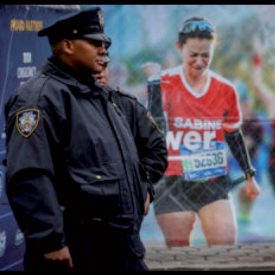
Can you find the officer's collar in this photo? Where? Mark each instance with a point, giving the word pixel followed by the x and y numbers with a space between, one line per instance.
pixel 84 83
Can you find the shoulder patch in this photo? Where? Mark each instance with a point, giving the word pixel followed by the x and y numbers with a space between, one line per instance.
pixel 27 121
pixel 152 120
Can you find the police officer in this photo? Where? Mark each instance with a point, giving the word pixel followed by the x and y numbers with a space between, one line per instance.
pixel 73 174
pixel 149 139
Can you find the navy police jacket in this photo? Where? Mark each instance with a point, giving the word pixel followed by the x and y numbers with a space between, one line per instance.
pixel 69 147
pixel 149 138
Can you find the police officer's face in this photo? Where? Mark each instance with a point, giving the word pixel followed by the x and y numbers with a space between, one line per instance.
pixel 102 77
pixel 88 55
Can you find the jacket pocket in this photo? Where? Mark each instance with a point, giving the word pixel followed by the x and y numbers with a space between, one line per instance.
pixel 102 196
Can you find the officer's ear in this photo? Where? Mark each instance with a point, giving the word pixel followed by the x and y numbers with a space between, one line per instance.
pixel 67 46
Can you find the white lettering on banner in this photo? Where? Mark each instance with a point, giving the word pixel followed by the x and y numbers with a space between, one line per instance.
pixel 197 124
pixel 192 140
pixel 3 241
pixel 25 72
pixel 19 238
pixel 27 57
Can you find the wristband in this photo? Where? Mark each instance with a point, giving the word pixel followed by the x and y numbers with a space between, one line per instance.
pixel 251 172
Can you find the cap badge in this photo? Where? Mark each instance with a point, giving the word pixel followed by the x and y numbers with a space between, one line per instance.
pixel 100 19
pixel 27 121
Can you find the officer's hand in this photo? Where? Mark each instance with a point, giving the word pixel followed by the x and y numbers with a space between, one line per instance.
pixel 251 188
pixel 62 255
pixel 147 204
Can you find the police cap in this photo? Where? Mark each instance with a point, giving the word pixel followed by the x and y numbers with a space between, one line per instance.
pixel 88 24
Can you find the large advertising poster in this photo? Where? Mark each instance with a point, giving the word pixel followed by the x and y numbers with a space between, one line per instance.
pixel 21 52
pixel 145 36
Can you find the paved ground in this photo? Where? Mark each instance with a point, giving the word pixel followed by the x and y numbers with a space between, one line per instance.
pixel 202 258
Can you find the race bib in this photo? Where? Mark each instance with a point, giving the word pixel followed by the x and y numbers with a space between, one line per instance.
pixel 204 163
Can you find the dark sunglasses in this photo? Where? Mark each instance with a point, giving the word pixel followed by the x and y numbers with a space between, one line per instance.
pixel 99 43
pixel 193 26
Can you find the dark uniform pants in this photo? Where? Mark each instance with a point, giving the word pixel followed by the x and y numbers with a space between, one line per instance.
pixel 95 246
